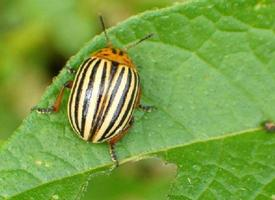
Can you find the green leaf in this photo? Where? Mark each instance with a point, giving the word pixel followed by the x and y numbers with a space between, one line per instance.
pixel 237 167
pixel 209 70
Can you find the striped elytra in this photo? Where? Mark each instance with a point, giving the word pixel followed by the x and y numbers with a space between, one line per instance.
pixel 103 97
pixel 104 93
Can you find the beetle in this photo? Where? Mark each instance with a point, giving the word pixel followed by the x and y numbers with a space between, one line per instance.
pixel 104 93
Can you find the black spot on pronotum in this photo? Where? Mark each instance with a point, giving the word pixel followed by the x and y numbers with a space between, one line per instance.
pixel 114 51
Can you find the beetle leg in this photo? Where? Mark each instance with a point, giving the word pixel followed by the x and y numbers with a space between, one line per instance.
pixel 112 142
pixel 144 108
pixel 71 70
pixel 57 102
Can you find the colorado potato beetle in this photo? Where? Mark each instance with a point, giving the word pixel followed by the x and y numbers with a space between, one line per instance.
pixel 104 94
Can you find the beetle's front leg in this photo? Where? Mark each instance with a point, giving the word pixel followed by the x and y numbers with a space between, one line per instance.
pixel 57 103
pixel 71 70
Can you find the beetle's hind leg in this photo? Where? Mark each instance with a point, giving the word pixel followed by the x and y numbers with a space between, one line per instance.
pixel 55 107
pixel 112 142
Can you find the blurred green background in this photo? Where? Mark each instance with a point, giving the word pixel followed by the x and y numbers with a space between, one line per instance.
pixel 36 39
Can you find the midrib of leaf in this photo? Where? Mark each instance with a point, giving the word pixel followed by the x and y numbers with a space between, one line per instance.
pixel 152 154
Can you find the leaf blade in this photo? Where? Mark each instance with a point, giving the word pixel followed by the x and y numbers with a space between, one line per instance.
pixel 190 71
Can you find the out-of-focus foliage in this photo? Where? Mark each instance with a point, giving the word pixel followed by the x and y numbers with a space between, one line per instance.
pixel 145 180
pixel 37 37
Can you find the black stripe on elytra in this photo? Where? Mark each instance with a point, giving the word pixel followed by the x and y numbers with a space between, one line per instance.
pixel 113 72
pixel 73 90
pixel 79 92
pixel 88 96
pixel 115 64
pixel 102 116
pixel 128 109
pixel 75 82
pixel 111 77
pixel 101 90
pixel 129 121
pixel 120 104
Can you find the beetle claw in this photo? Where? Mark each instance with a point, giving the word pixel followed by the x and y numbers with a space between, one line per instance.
pixel 43 110
pixel 146 108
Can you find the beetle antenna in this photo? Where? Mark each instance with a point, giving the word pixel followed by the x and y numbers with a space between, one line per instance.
pixel 104 30
pixel 139 41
